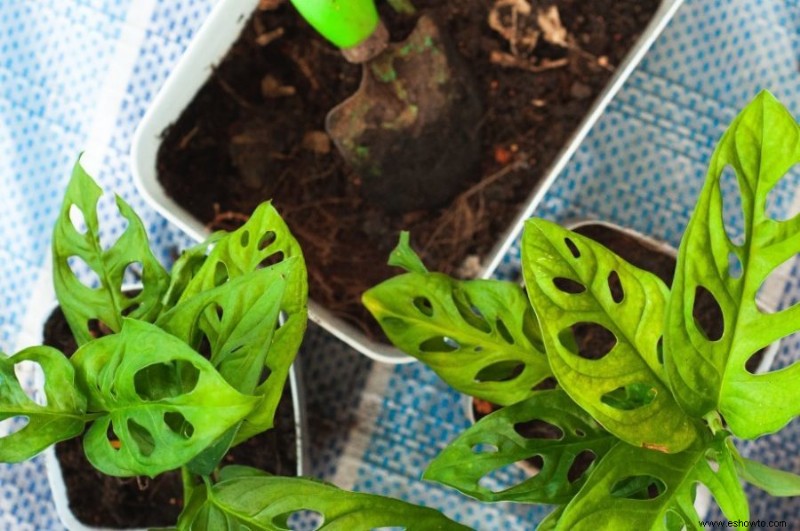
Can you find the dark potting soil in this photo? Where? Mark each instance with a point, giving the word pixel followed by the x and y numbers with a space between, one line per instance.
pixel 255 131
pixel 104 501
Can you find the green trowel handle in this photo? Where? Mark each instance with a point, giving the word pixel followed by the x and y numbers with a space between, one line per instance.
pixel 346 23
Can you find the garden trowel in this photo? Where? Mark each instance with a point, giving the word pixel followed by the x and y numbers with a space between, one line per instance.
pixel 410 132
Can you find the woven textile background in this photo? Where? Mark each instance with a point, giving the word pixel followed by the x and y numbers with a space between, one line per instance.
pixel 78 75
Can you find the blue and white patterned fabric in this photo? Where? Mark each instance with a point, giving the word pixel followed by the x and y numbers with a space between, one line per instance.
pixel 79 74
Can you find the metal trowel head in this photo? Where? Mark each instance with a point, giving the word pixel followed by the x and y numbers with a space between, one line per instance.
pixel 411 129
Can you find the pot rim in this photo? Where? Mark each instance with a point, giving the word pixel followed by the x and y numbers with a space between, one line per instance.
pixel 210 45
pixel 55 475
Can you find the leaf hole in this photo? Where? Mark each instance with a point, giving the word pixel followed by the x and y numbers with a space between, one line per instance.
pixel 638 488
pixel 299 520
pixel 23 371
pixel 266 372
pixel 142 437
pixel 178 424
pixel 712 464
pixel 12 425
pixel 271 260
pixel 781 204
pixel 539 429
pixel 502 329
pixel 660 350
pixel 735 268
pixel 590 341
pixel 580 433
pixel 708 317
pixel 423 304
pixel 267 239
pixel 77 219
pixel 615 287
pixel 580 465
pixel 469 312
pixel 98 328
pixel 244 239
pixel 485 448
pixel 501 371
pixel 220 273
pixel 83 272
pixel 506 476
pixel 131 308
pixel 111 436
pixel 133 273
pixel 753 363
pixel 732 213
pixel 573 249
pixel 546 384
pixel 630 397
pixel 160 381
pixel 439 344
pixel 567 285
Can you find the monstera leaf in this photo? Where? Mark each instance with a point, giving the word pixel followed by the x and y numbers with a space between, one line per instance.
pixel 548 429
pixel 240 332
pixel 636 488
pixel 709 374
pixel 263 242
pixel 574 282
pixel 157 402
pixel 107 304
pixel 249 499
pixel 63 416
pixel 480 336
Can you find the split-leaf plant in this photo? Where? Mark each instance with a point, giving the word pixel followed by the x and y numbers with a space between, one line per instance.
pixel 658 412
pixel 144 397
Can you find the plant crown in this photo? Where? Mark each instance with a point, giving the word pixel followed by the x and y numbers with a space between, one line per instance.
pixel 658 412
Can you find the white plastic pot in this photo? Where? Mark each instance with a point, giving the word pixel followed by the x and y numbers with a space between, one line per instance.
pixel 209 47
pixel 56 478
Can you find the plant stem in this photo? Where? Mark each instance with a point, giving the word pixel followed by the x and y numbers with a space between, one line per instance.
pixel 404 7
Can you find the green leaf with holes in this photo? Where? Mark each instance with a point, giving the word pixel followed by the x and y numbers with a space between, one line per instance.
pixel 547 431
pixel 240 319
pixel 264 242
pixel 150 420
pixel 761 146
pixel 62 417
pixel 636 488
pixel 105 303
pixel 620 381
pixel 480 336
pixel 256 501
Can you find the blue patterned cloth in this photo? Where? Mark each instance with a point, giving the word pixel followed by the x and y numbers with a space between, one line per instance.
pixel 78 74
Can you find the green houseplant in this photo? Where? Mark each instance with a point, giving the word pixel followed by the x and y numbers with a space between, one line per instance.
pixel 175 375
pixel 657 413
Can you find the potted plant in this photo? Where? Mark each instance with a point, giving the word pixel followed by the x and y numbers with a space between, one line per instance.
pixel 632 427
pixel 178 374
pixel 544 74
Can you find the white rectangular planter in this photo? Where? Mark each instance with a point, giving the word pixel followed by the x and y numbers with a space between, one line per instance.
pixel 56 478
pixel 209 47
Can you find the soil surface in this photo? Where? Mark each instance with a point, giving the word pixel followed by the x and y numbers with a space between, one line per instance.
pixel 256 131
pixel 105 501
